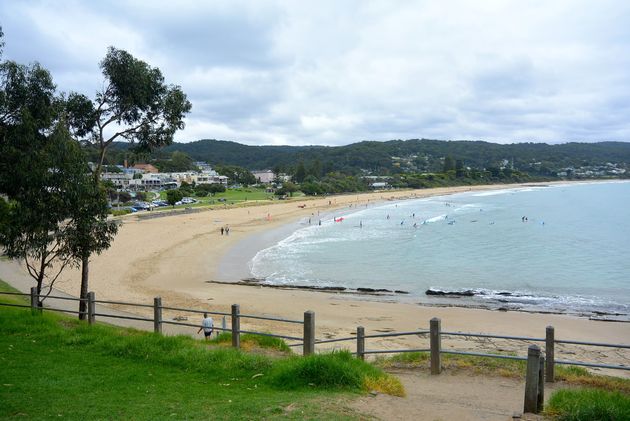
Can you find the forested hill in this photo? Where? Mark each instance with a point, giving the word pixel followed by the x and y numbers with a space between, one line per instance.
pixel 415 154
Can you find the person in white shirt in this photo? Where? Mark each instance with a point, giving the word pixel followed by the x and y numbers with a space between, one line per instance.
pixel 207 326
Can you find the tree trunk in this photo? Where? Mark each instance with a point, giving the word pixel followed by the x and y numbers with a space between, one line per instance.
pixel 85 261
pixel 40 282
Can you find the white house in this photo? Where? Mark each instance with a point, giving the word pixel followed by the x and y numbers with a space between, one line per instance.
pixel 264 177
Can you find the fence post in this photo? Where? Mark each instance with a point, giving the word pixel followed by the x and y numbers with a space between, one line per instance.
pixel 91 307
pixel 157 314
pixel 34 299
pixel 550 351
pixel 361 342
pixel 223 326
pixel 531 380
pixel 236 326
pixel 435 326
pixel 540 401
pixel 309 333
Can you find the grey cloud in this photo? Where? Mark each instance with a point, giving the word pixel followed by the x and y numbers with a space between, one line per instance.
pixel 337 72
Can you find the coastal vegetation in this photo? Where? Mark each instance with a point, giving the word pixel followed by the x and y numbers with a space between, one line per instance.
pixel 124 372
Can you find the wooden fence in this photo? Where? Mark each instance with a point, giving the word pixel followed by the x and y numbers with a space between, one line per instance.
pixel 540 365
pixel 307 340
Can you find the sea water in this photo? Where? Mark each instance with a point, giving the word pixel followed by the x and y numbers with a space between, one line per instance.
pixel 561 248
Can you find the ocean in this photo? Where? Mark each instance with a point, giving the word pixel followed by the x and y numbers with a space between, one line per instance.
pixel 559 248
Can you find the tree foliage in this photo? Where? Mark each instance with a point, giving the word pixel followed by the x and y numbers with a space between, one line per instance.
pixel 236 174
pixel 53 197
pixel 425 155
pixel 178 162
pixel 135 105
pixel 174 196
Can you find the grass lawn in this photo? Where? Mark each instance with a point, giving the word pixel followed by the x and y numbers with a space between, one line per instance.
pixel 56 366
pixel 246 196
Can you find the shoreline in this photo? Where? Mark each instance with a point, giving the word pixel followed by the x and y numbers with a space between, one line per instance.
pixel 235 267
pixel 174 257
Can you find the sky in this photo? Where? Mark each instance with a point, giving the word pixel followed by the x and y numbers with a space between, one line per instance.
pixel 342 71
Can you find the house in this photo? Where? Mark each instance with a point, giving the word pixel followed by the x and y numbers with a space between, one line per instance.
pixel 147 168
pixel 264 176
pixel 120 180
pixel 210 177
pixel 380 186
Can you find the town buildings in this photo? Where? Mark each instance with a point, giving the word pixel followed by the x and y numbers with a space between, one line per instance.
pixel 146 177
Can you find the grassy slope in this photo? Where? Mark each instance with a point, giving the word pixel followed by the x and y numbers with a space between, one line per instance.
pixel 53 365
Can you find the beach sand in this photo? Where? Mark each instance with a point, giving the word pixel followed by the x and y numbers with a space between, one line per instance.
pixel 174 257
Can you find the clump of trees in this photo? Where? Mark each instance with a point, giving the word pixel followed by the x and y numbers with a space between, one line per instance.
pixel 236 174
pixel 53 209
pixel 203 190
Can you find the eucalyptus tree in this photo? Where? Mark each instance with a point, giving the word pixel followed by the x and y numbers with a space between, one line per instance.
pixel 49 201
pixel 135 105
pixel 46 201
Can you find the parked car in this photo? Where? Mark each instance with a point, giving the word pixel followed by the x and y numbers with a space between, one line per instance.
pixel 142 206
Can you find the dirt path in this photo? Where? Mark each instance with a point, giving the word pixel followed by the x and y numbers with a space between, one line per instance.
pixel 449 397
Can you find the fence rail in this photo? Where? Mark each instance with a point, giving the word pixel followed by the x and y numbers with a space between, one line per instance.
pixel 483 335
pixel 190 310
pixel 122 303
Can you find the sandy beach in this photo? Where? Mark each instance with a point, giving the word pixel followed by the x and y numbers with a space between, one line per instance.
pixel 175 256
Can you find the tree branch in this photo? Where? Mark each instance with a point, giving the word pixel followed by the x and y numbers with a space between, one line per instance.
pixel 31 269
pixel 50 285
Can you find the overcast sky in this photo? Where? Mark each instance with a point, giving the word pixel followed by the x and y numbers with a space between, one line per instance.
pixel 338 72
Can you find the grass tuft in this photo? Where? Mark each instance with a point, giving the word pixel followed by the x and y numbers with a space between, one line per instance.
pixel 337 370
pixel 581 376
pixel 250 341
pixel 587 405
pixel 389 385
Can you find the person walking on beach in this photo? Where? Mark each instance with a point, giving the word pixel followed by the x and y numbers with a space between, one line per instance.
pixel 207 326
pixel 227 230
pixel 221 230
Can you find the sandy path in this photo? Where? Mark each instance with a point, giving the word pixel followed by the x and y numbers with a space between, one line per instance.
pixel 449 397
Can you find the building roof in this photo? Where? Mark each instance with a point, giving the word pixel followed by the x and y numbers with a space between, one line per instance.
pixel 146 167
